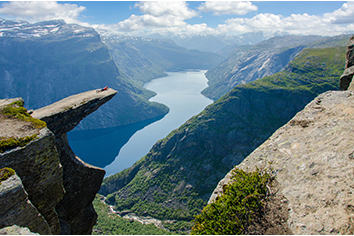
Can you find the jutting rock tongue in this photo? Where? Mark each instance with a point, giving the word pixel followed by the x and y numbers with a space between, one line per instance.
pixel 81 181
pixel 346 78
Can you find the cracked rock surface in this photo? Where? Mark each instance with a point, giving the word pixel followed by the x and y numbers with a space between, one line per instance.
pixel 313 159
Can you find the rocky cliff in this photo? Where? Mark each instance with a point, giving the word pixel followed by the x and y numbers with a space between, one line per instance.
pixel 311 158
pixel 51 182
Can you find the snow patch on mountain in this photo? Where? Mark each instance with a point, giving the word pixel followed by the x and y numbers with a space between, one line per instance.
pixel 24 29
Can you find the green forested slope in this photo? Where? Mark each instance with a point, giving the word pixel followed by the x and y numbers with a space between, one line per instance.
pixel 175 179
pixel 246 64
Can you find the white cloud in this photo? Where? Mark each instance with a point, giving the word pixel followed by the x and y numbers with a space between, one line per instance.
pixel 157 14
pixel 344 15
pixel 164 17
pixel 40 11
pixel 337 22
pixel 228 7
pixel 165 8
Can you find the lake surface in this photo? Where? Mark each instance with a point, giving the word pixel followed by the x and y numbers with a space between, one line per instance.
pixel 116 149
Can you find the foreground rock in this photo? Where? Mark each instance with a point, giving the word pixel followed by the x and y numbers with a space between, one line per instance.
pixel 313 160
pixel 59 185
pixel 17 209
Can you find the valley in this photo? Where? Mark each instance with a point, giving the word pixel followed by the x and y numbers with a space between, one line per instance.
pixel 180 91
pixel 179 120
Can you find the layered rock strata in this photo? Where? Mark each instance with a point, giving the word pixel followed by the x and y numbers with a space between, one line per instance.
pixel 17 209
pixel 312 157
pixel 59 185
pixel 38 166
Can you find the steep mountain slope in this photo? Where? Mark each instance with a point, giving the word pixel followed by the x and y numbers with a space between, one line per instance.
pixel 175 179
pixel 247 64
pixel 47 61
pixel 143 59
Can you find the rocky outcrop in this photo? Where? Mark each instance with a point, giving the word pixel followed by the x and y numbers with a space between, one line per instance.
pixel 17 209
pixel 81 181
pixel 59 185
pixel 346 78
pixel 312 159
pixel 38 166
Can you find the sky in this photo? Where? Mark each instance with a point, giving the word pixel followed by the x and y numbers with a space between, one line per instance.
pixel 143 18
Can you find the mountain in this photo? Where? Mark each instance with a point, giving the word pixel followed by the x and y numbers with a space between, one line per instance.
pixel 143 59
pixel 247 64
pixel 308 161
pixel 47 61
pixel 175 179
pixel 213 43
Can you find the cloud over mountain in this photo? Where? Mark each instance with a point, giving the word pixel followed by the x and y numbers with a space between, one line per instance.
pixel 193 18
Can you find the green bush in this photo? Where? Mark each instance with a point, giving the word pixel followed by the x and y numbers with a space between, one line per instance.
pixel 234 210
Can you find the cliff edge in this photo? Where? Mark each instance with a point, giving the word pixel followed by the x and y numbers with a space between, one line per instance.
pixel 312 160
pixel 56 183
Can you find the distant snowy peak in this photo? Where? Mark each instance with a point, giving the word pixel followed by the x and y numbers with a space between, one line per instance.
pixel 56 28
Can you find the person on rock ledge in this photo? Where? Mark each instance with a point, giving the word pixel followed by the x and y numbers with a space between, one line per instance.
pixel 101 90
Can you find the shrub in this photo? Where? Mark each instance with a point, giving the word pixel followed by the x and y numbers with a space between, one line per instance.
pixel 234 210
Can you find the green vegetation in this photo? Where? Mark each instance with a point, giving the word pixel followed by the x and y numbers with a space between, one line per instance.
pixel 6 173
pixel 108 223
pixel 233 211
pixel 10 143
pixel 16 110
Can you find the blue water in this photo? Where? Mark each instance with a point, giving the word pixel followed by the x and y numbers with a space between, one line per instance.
pixel 116 149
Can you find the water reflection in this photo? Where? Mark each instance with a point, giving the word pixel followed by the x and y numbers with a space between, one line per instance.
pixel 100 147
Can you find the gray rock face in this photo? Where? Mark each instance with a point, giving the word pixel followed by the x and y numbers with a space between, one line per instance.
pixel 346 78
pixel 312 158
pixel 81 181
pixel 59 185
pixel 17 209
pixel 38 166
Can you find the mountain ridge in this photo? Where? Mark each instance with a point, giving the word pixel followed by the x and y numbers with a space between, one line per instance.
pixel 71 59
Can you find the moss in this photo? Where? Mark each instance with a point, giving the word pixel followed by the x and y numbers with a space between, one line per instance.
pixel 10 143
pixel 16 110
pixel 6 173
pixel 240 203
